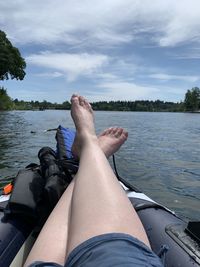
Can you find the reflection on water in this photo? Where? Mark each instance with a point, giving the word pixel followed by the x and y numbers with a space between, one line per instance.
pixel 11 138
pixel 161 156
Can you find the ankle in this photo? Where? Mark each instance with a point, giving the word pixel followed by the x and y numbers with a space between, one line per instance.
pixel 88 138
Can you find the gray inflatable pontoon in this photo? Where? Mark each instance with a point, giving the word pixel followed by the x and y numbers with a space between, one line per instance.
pixel 176 242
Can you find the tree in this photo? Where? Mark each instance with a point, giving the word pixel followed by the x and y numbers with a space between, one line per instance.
pixel 66 105
pixel 11 63
pixel 192 99
pixel 5 101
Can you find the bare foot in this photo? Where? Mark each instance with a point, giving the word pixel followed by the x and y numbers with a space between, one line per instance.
pixel 82 115
pixel 111 140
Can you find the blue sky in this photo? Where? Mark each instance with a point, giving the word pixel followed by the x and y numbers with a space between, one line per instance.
pixel 104 50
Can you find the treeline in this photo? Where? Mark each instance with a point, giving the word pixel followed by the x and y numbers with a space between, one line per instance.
pixel 6 103
pixel 105 105
pixel 37 105
pixel 191 103
pixel 139 105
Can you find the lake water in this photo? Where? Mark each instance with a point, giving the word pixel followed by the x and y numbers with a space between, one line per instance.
pixel 161 155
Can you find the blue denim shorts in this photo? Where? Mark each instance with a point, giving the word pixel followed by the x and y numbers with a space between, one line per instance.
pixel 114 249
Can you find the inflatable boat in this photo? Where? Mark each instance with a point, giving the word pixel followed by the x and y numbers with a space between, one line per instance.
pixel 37 187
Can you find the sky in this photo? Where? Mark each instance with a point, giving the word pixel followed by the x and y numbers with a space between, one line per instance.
pixel 104 50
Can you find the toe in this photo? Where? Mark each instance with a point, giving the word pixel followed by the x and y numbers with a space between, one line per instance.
pixel 109 130
pixel 118 132
pixel 87 104
pixel 81 101
pixel 74 96
pixel 112 130
pixel 106 131
pixel 125 134
pixel 74 99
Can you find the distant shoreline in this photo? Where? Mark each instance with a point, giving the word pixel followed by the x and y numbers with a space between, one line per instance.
pixel 157 111
pixel 138 105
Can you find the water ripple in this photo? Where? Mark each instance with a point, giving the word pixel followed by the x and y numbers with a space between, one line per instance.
pixel 161 155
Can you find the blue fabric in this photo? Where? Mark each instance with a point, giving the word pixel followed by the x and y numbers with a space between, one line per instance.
pixel 113 249
pixel 68 138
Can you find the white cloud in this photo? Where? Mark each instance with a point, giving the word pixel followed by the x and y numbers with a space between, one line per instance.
pixel 183 25
pixel 69 22
pixel 167 77
pixel 108 21
pixel 72 65
pixel 112 87
pixel 55 74
pixel 121 90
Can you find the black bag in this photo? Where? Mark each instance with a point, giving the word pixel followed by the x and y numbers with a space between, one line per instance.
pixel 56 180
pixel 28 188
pixel 37 189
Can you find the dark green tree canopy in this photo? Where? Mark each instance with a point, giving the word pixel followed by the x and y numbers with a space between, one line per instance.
pixel 192 99
pixel 5 101
pixel 11 63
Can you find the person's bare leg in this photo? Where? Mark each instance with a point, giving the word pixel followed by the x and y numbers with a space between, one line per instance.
pixel 51 244
pixel 99 205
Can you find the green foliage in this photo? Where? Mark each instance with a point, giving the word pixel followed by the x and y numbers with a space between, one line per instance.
pixel 139 105
pixel 66 105
pixel 191 103
pixel 11 63
pixel 104 105
pixel 36 105
pixel 192 100
pixel 5 101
